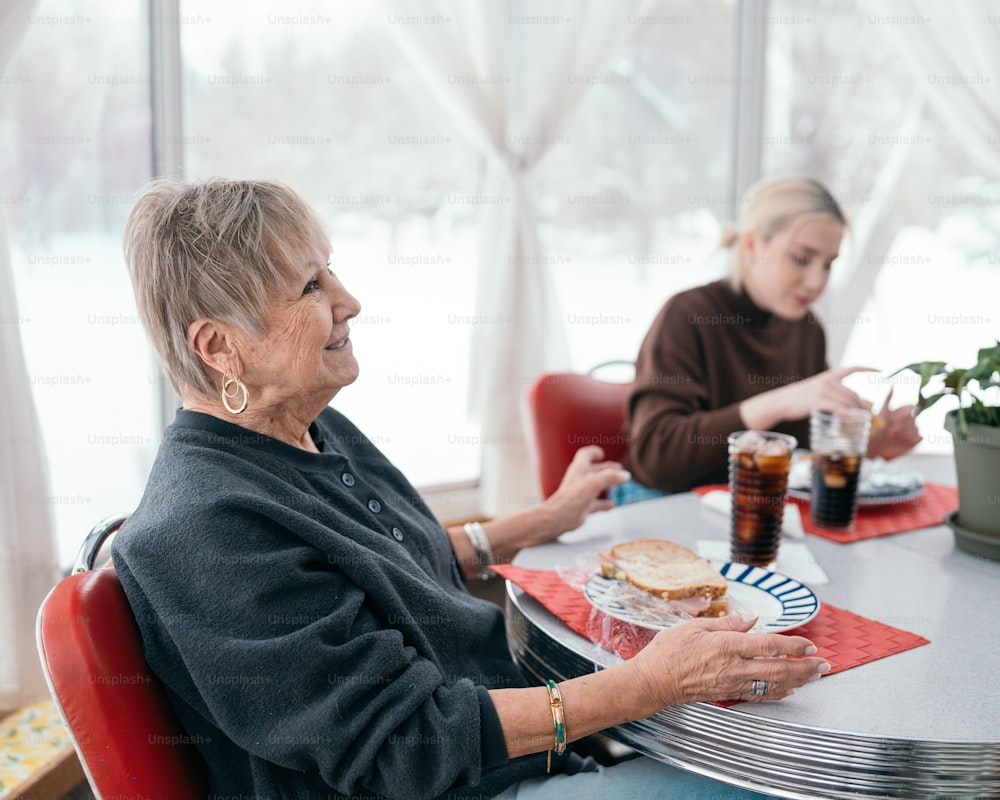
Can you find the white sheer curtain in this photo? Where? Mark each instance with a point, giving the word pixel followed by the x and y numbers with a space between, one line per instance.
pixel 956 64
pixel 509 74
pixel 889 208
pixel 956 58
pixel 28 563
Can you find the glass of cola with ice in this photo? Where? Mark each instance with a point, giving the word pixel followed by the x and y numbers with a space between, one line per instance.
pixel 758 478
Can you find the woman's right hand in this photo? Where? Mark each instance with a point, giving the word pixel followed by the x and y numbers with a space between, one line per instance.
pixel 716 659
pixel 796 400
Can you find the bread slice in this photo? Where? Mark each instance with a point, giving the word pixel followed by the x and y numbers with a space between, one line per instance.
pixel 719 607
pixel 667 570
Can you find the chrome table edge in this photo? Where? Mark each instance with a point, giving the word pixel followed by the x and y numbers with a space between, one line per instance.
pixel 780 758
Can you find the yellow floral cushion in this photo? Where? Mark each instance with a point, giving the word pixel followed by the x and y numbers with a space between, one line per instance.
pixel 29 739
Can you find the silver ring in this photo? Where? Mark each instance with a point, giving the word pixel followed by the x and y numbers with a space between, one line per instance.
pixel 758 688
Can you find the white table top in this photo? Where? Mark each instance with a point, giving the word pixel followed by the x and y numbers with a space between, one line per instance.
pixel 943 696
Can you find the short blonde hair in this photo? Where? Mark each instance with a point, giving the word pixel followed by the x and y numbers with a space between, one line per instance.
pixel 770 205
pixel 215 249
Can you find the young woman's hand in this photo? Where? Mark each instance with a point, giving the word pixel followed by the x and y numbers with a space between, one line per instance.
pixel 796 400
pixel 896 434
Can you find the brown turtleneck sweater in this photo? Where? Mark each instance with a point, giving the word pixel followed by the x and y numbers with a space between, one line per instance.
pixel 709 349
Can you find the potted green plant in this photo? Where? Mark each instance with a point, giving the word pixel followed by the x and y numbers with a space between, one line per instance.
pixel 975 430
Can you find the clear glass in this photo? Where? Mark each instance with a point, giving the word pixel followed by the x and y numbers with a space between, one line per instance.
pixel 759 463
pixel 320 96
pixel 838 442
pixel 74 114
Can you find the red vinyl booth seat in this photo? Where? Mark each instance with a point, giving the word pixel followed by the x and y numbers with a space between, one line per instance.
pixel 569 410
pixel 128 739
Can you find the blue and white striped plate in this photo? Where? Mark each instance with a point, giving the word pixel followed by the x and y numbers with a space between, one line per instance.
pixel 781 603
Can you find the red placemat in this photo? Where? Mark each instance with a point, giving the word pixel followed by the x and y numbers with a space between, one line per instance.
pixel 844 639
pixel 929 509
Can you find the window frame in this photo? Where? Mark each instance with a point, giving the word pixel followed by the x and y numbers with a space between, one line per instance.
pixel 166 100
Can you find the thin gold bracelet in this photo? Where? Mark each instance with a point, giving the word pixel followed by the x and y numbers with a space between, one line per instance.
pixel 558 723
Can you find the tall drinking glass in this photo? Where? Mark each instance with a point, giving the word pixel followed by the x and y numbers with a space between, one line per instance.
pixel 758 478
pixel 838 442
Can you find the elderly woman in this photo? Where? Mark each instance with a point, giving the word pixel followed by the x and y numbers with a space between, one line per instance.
pixel 747 351
pixel 306 612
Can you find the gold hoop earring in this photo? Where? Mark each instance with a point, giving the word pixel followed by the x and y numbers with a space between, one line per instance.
pixel 227 395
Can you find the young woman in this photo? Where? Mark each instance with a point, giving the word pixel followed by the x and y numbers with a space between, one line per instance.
pixel 746 351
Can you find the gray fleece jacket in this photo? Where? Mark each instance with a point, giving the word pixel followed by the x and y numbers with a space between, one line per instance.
pixel 308 618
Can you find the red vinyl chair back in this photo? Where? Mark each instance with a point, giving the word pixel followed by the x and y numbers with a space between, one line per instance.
pixel 128 739
pixel 568 410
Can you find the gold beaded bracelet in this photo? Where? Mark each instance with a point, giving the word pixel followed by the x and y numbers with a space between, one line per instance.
pixel 558 723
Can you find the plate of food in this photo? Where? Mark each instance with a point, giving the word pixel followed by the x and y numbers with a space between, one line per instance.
pixel 879 483
pixel 656 584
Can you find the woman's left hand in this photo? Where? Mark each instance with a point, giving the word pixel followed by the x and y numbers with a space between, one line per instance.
pixel 586 479
pixel 897 435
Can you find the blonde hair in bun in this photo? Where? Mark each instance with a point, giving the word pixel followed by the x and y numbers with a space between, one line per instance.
pixel 771 204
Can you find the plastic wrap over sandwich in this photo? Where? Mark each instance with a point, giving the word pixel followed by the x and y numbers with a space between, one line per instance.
pixel 671 572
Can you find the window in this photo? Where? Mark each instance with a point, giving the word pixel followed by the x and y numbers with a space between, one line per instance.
pixel 633 194
pixel 629 199
pixel 75 119
pixel 843 105
pixel 325 102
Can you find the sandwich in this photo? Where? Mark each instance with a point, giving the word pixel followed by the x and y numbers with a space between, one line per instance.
pixel 671 572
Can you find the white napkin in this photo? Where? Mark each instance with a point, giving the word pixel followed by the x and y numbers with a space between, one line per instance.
pixel 791 521
pixel 794 560
pixel 794 557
